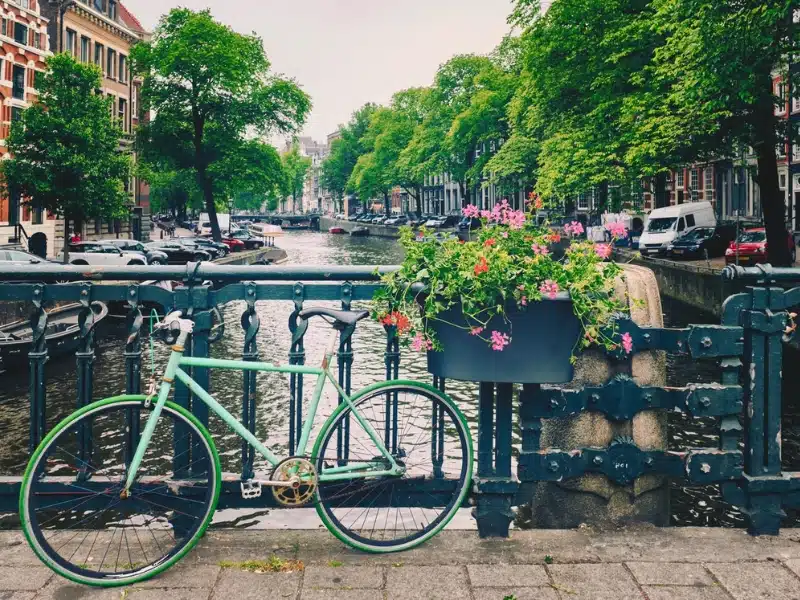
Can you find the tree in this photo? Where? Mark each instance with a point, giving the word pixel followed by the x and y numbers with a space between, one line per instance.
pixel 65 148
pixel 295 168
pixel 345 151
pixel 175 192
pixel 212 92
pixel 710 93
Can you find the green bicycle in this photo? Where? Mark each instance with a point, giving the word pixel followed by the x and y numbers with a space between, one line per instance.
pixel 123 488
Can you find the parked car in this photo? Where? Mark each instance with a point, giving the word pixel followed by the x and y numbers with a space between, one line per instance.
pixel 233 244
pixel 97 253
pixel 215 249
pixel 751 248
pixel 153 256
pixel 250 241
pixel 398 221
pixel 21 257
pixel 469 224
pixel 379 220
pixel 179 254
pixel 665 224
pixel 702 241
pixel 443 221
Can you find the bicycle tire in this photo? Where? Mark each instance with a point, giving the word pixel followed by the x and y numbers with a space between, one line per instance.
pixel 327 511
pixel 78 572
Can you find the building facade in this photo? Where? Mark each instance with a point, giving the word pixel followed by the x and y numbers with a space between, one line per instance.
pixel 102 32
pixel 25 41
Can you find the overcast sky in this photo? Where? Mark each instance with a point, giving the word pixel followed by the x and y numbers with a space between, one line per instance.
pixel 345 53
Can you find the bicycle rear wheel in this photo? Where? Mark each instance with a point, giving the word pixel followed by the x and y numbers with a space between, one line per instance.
pixel 426 434
pixel 71 507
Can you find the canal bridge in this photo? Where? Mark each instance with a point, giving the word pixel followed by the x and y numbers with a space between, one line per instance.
pixel 745 404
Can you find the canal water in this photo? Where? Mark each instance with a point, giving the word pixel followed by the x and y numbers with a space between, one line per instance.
pixel 690 506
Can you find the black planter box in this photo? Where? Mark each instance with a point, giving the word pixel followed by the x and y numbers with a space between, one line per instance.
pixel 543 335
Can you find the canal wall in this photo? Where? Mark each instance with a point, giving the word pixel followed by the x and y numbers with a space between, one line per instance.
pixel 254 257
pixel 326 223
pixel 698 286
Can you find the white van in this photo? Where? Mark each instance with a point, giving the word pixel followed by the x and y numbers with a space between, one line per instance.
pixel 204 224
pixel 665 224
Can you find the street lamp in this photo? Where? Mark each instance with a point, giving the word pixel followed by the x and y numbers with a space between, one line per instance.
pixel 230 215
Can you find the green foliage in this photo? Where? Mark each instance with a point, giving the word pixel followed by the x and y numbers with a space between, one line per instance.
pixel 65 148
pixel 505 268
pixel 214 98
pixel 295 168
pixel 345 151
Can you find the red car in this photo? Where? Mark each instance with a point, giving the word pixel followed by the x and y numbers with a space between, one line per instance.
pixel 233 244
pixel 751 247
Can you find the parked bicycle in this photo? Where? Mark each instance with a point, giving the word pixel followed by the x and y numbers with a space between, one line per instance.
pixel 123 488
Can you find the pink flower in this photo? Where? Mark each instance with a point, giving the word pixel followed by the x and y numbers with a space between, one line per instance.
pixel 421 343
pixel 504 234
pixel 499 341
pixel 476 331
pixel 617 230
pixel 524 301
pixel 521 288
pixel 603 250
pixel 485 214
pixel 627 342
pixel 470 211
pixel 549 288
pixel 514 219
pixel 574 228
pixel 540 250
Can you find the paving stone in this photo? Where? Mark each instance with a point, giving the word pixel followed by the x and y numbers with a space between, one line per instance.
pixel 343 577
pixel 179 576
pixel 670 573
pixel 794 565
pixel 23 578
pixel 62 589
pixel 17 595
pixel 167 593
pixel 427 583
pixel 595 582
pixel 342 595
pixel 520 593
pixel 672 592
pixel 507 576
pixel 757 581
pixel 242 585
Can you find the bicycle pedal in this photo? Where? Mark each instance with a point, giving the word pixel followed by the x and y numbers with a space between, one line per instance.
pixel 250 489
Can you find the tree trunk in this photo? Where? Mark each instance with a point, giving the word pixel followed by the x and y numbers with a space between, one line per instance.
pixel 772 200
pixel 419 201
pixel 386 208
pixel 65 248
pixel 208 195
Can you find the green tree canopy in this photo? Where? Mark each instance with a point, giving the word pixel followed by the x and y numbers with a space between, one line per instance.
pixel 213 95
pixel 295 167
pixel 65 148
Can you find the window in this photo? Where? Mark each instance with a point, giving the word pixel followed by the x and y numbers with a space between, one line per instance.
pixel 21 34
pixel 112 9
pixel 135 103
pixel 780 92
pixel 37 40
pixel 796 102
pixel 98 55
pixel 681 224
pixel 709 184
pixel 72 41
pixel 4 27
pixel 782 181
pixel 583 202
pixel 781 150
pixel 680 179
pixel 111 63
pixel 85 46
pixel 16 113
pixel 123 68
pixel 694 179
pixel 18 81
pixel 98 4
pixel 796 153
pixel 122 113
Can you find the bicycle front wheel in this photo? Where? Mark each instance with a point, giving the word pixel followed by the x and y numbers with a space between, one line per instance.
pixel 72 509
pixel 426 435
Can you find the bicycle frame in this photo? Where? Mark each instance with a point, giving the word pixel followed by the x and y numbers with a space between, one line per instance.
pixel 323 373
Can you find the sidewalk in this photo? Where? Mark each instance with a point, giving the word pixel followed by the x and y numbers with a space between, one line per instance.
pixel 637 564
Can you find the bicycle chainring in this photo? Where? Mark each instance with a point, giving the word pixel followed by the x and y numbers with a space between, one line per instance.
pixel 300 476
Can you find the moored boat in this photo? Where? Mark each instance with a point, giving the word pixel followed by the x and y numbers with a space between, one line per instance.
pixel 359 232
pixel 337 230
pixel 62 333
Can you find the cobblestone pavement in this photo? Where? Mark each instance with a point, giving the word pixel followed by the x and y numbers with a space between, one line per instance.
pixel 630 564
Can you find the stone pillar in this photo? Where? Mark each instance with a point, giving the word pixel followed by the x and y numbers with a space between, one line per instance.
pixel 592 498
